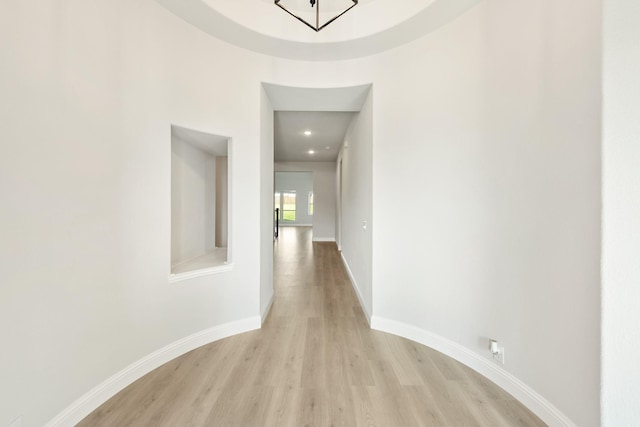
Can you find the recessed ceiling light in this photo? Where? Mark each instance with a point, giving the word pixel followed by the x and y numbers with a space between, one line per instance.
pixel 307 132
pixel 327 148
pixel 311 152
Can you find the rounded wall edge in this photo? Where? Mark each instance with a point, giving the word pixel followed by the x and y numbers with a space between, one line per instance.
pixel 91 400
pixel 544 409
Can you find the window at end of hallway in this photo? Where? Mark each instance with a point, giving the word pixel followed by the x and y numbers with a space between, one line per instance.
pixel 289 206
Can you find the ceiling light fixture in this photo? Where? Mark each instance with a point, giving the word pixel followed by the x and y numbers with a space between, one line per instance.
pixel 307 132
pixel 311 152
pixel 346 5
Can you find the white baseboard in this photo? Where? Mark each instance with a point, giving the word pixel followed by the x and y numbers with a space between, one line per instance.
pixel 355 287
pixel 86 404
pixel 324 239
pixel 267 309
pixel 523 393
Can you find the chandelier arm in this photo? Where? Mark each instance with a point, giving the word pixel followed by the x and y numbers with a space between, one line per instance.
pixel 355 2
pixel 277 2
pixel 317 6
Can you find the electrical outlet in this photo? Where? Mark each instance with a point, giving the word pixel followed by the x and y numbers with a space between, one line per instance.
pixel 17 422
pixel 499 356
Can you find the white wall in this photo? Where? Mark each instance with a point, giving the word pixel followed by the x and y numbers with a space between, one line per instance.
pixel 485 133
pixel 266 204
pixel 89 93
pixel 193 201
pixel 324 193
pixel 621 227
pixel 356 215
pixel 486 192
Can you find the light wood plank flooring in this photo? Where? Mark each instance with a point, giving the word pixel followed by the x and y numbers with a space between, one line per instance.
pixel 315 362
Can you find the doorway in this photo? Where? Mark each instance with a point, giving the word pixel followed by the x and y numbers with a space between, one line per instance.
pixel 341 199
pixel 293 198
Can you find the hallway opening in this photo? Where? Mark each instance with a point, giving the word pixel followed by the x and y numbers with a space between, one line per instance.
pixel 315 130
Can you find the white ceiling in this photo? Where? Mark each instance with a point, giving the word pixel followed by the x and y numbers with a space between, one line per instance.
pixel 287 98
pixel 371 27
pixel 326 112
pixel 328 129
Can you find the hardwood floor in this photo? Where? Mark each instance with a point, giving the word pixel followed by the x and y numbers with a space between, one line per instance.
pixel 315 362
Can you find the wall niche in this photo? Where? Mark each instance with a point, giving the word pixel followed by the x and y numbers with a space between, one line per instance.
pixel 200 189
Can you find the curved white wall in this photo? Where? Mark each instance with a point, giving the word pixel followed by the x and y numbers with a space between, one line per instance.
pixel 89 92
pixel 491 145
pixel 487 131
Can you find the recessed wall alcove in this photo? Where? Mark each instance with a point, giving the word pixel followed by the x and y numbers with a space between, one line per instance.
pixel 200 190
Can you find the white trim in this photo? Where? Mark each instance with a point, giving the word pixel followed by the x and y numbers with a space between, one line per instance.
pixel 324 239
pixel 355 287
pixel 522 392
pixel 173 278
pixel 267 309
pixel 86 404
